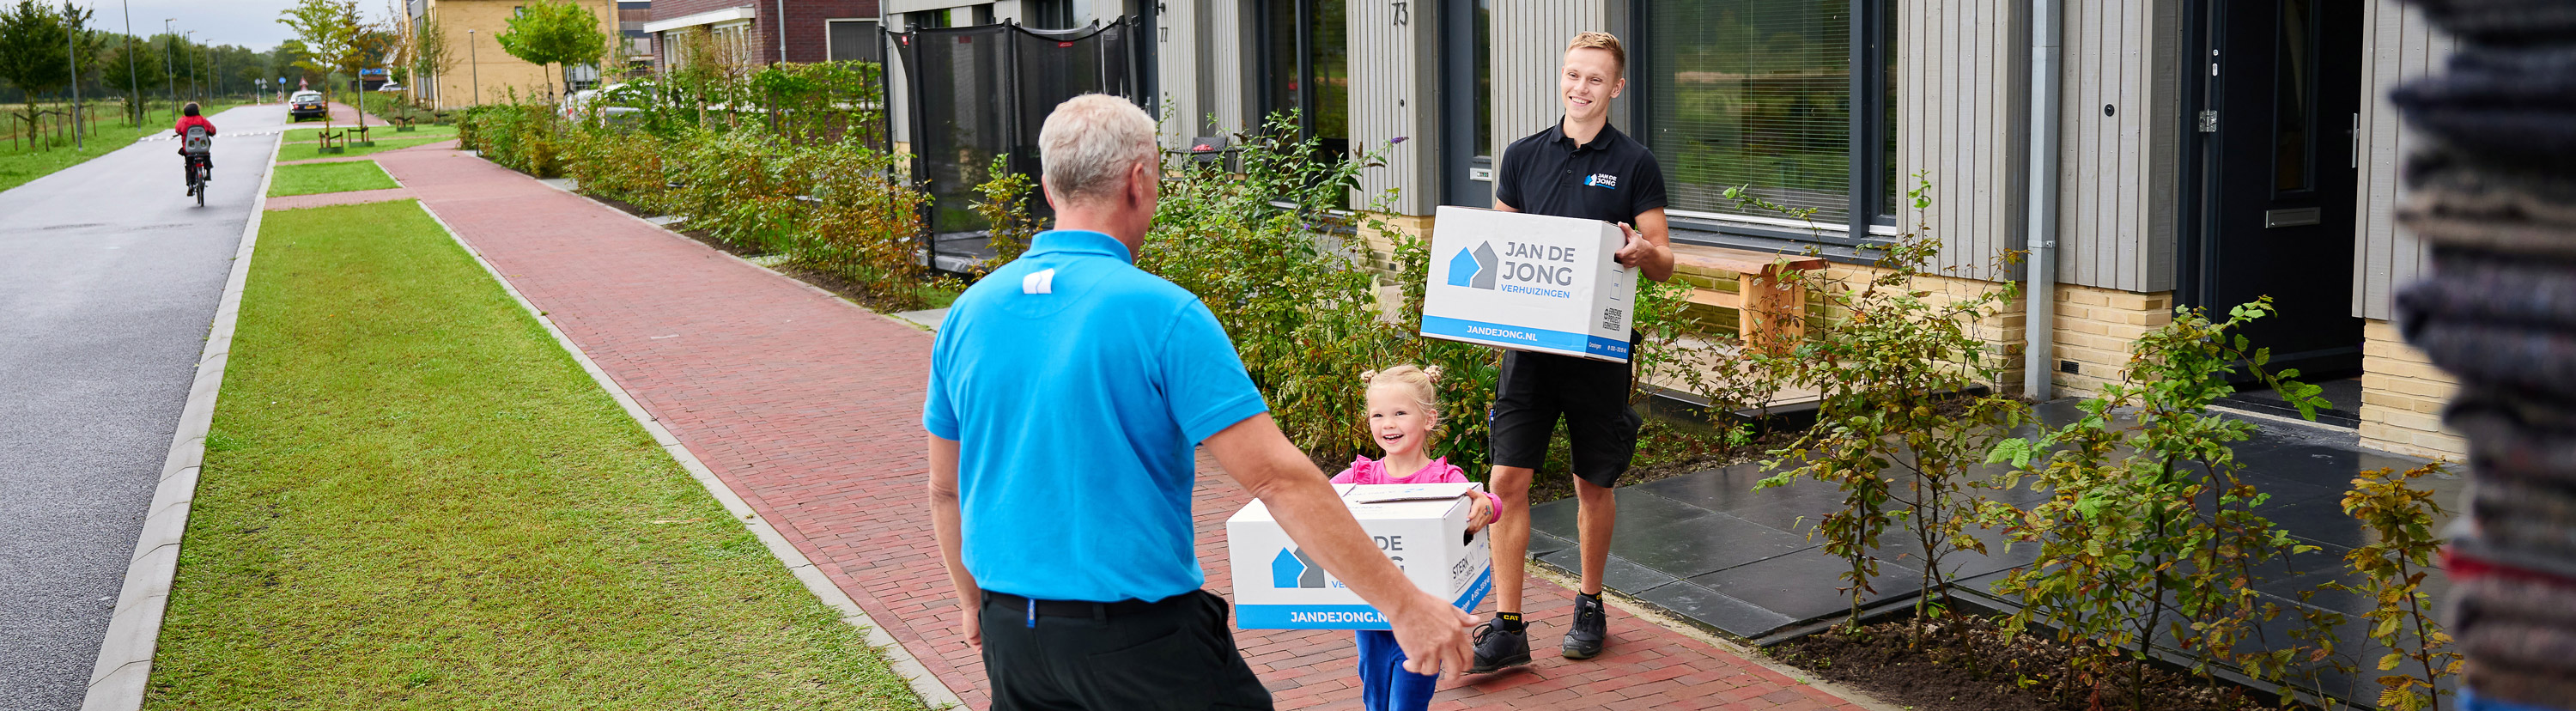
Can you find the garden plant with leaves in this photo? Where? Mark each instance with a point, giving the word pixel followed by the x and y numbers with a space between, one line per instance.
pixel 2399 517
pixel 1003 200
pixel 2166 536
pixel 1898 429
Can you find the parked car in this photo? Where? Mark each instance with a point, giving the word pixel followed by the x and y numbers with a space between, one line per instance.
pixel 306 104
pixel 578 103
pixel 390 87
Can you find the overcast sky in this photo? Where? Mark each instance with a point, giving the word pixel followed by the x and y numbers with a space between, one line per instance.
pixel 249 23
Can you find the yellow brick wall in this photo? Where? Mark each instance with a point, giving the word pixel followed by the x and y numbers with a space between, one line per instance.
pixel 2003 332
pixel 2402 395
pixel 2099 329
pixel 485 64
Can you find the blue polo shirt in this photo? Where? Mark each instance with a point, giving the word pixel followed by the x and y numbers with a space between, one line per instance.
pixel 1076 386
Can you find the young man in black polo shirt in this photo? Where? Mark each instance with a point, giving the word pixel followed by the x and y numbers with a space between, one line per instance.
pixel 1581 167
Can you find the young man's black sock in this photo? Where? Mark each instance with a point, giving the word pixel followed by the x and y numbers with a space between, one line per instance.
pixel 1509 621
pixel 1596 597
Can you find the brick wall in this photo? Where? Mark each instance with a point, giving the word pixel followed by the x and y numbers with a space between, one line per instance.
pixel 2402 396
pixel 807 40
pixel 2099 329
pixel 498 74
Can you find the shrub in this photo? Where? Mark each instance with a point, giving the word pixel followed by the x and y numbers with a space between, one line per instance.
pixel 2399 517
pixel 1896 429
pixel 1270 253
pixel 2169 519
pixel 620 165
pixel 523 137
pixel 860 223
pixel 1003 201
pixel 739 186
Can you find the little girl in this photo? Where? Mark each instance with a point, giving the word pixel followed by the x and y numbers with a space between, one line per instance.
pixel 1403 408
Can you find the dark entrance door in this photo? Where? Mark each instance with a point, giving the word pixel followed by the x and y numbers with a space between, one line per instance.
pixel 2270 191
pixel 1467 103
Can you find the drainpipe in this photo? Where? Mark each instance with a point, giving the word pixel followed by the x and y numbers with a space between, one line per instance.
pixel 2038 321
pixel 782 31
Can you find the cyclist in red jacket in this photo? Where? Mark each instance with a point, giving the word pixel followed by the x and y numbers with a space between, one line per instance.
pixel 189 116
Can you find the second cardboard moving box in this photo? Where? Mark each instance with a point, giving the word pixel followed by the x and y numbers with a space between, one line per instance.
pixel 1422 527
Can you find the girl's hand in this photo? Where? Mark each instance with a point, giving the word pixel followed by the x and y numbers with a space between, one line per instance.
pixel 1481 513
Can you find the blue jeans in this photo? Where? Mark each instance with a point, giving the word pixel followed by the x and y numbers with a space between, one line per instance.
pixel 1384 684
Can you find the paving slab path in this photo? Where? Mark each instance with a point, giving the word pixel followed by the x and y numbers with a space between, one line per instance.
pixel 809 408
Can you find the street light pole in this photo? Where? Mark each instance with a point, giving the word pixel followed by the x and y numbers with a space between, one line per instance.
pixel 133 82
pixel 71 43
pixel 169 72
pixel 475 67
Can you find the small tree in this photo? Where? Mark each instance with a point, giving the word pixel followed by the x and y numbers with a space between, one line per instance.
pixel 34 40
pixel 557 33
pixel 328 32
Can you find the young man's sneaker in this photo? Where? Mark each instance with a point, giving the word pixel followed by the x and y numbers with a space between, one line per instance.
pixel 1497 648
pixel 1591 628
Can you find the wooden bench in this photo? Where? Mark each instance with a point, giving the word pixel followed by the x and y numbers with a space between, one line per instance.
pixel 1774 310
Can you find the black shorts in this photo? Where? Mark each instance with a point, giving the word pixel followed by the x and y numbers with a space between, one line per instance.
pixel 1176 654
pixel 1591 395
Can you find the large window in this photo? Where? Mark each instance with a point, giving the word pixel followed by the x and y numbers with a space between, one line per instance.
pixel 854 41
pixel 1306 67
pixel 1762 93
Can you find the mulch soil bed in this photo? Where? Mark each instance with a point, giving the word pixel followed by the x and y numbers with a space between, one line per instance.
pixel 1968 663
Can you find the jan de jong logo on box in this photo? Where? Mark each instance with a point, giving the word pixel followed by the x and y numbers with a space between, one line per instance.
pixel 1521 268
pixel 1293 570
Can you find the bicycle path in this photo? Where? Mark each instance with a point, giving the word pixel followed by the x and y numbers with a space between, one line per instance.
pixel 809 407
pixel 110 282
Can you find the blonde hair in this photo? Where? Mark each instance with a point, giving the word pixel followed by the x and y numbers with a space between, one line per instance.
pixel 1421 381
pixel 1602 41
pixel 1089 143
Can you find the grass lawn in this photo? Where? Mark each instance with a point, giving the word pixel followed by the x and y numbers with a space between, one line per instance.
pixel 314 178
pixel 25 162
pixel 305 151
pixel 414 499
pixel 377 131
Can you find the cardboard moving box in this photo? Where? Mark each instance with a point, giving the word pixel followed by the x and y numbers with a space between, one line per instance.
pixel 1422 527
pixel 1529 282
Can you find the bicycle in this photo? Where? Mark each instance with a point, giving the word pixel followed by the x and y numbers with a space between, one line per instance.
pixel 199 148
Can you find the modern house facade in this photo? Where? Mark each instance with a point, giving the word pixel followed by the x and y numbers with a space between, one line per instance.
pixel 479 71
pixel 2197 152
pixel 634 46
pixel 752 32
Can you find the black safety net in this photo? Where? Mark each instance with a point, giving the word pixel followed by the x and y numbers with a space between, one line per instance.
pixel 984 91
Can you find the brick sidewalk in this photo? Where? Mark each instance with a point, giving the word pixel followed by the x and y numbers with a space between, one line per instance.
pixel 809 409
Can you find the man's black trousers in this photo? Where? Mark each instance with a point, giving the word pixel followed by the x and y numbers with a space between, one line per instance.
pixel 1176 654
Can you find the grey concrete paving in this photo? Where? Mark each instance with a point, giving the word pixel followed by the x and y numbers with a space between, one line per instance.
pixel 109 281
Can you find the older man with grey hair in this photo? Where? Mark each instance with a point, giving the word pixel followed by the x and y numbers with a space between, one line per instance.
pixel 1067 389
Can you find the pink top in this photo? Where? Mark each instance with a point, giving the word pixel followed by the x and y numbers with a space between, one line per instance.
pixel 1364 470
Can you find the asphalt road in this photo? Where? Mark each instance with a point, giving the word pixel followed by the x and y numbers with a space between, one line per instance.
pixel 107 288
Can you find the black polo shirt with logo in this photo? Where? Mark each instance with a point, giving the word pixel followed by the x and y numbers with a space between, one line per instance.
pixel 1612 178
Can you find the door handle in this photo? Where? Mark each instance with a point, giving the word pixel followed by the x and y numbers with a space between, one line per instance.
pixel 2355 133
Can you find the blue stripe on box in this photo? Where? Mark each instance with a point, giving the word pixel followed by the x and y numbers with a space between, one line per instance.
pixel 1342 617
pixel 1610 347
pixel 1498 334
pixel 1458 329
